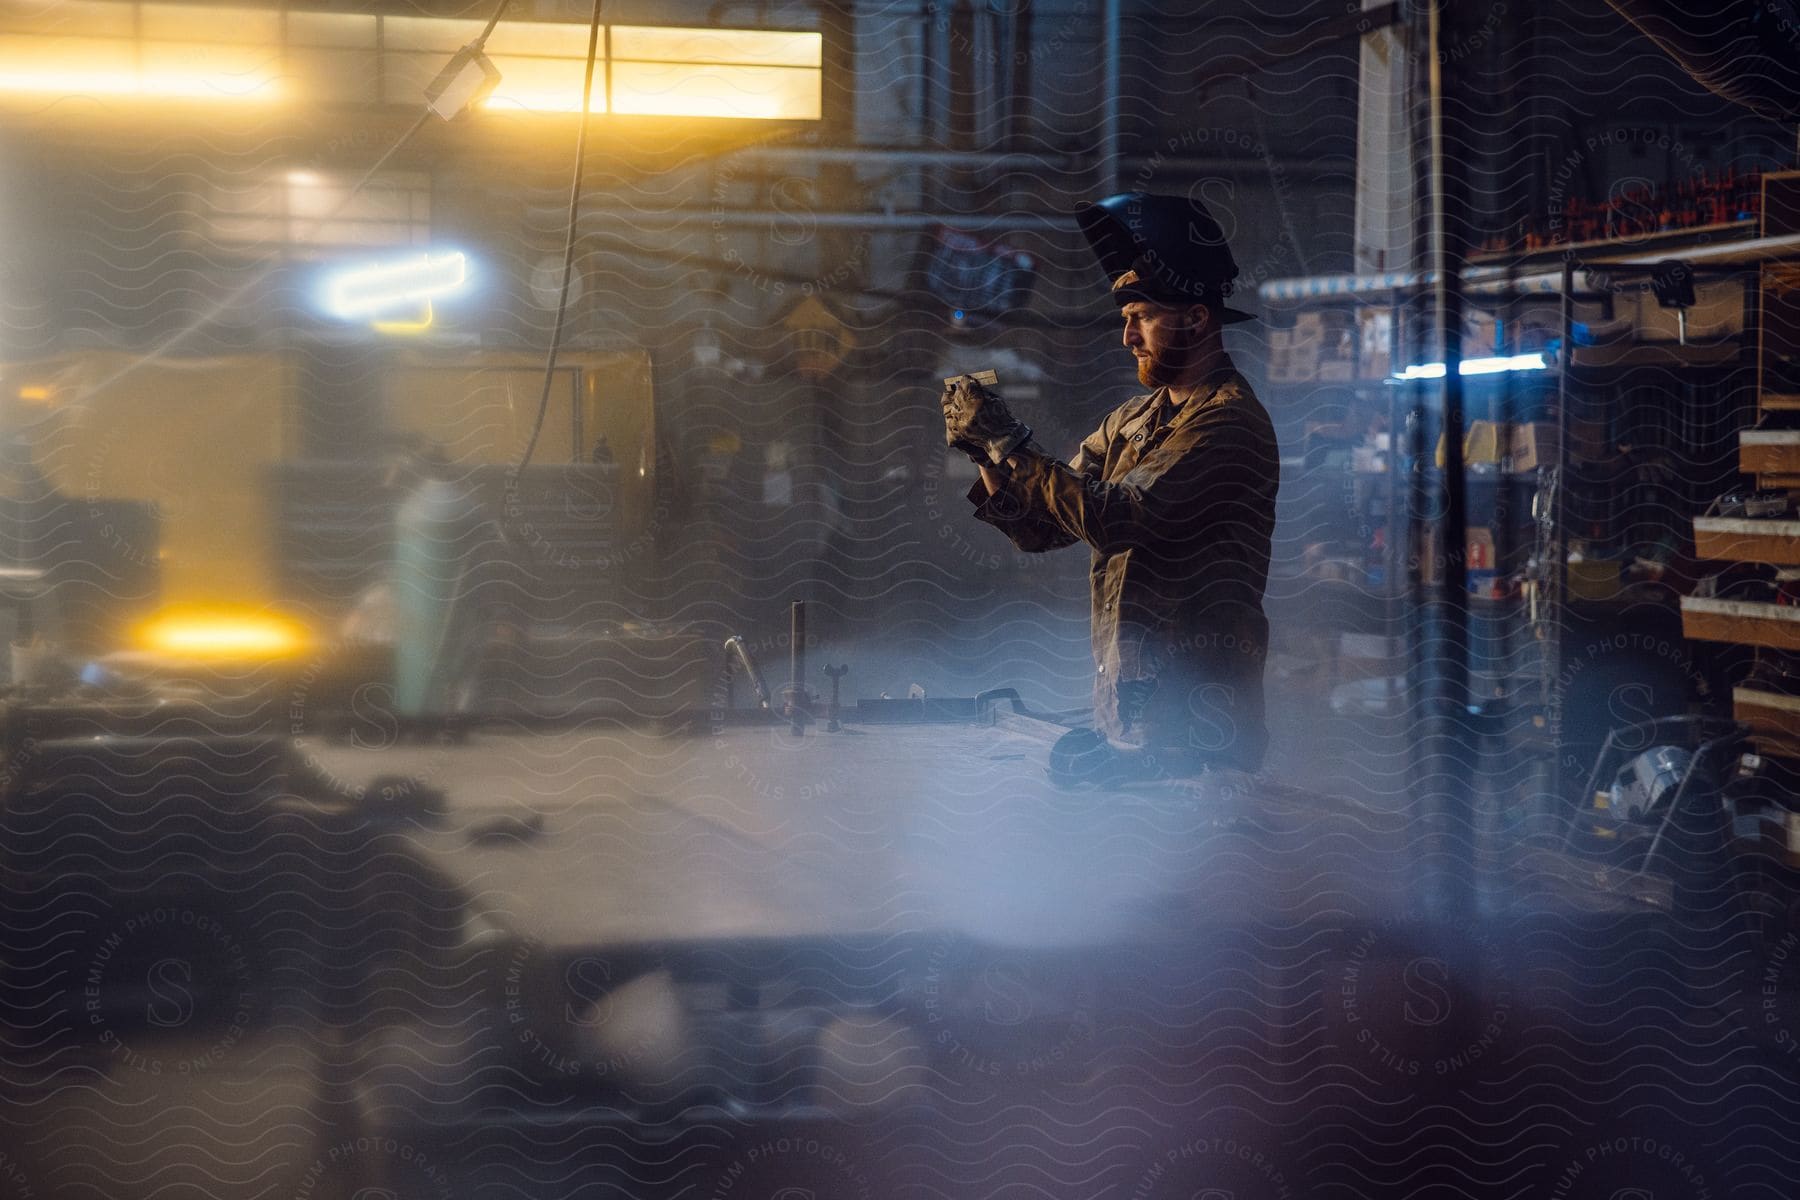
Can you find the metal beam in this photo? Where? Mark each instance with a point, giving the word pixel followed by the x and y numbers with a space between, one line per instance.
pixel 675 218
pixel 909 156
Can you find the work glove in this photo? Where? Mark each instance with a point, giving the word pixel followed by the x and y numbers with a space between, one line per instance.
pixel 978 423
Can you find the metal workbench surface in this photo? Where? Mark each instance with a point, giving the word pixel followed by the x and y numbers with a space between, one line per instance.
pixel 751 832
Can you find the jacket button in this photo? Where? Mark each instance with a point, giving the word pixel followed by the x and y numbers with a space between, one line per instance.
pixel 1102 669
pixel 1138 438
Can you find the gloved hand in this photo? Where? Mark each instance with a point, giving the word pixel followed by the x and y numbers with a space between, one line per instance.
pixel 977 422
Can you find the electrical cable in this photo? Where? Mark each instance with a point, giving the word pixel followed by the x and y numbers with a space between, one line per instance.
pixel 480 43
pixel 562 299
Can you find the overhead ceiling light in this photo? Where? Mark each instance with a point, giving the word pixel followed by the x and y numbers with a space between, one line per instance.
pixel 171 86
pixel 1476 366
pixel 382 288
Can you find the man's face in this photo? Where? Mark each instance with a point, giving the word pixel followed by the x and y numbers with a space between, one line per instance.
pixel 1165 339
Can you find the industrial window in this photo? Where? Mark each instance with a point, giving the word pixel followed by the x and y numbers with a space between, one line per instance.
pixel 242 55
pixel 301 209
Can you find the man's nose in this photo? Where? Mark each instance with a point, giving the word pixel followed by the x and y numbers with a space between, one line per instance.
pixel 1132 336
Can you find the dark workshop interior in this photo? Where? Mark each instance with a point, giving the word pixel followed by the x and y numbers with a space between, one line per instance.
pixel 512 692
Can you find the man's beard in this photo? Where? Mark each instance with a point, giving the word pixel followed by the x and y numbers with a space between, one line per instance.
pixel 1163 369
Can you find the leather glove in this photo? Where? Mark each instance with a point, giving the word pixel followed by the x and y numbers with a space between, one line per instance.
pixel 977 422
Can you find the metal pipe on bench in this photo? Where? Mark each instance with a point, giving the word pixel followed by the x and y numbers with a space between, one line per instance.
pixel 797 667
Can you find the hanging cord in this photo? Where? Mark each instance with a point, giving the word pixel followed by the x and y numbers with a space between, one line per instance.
pixel 562 299
pixel 480 43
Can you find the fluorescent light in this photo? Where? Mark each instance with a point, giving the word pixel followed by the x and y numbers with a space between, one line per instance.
pixel 240 53
pixel 710 90
pixel 181 86
pixel 381 287
pixel 1477 366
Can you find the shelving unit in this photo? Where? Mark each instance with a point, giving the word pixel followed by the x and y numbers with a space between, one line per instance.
pixel 1623 415
pixel 1770 453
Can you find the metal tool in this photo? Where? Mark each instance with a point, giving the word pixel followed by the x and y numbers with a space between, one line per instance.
pixel 836 675
pixel 919 710
pixel 798 702
pixel 984 378
pixel 736 649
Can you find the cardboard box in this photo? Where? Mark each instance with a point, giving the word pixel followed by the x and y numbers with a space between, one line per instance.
pixel 1322 345
pixel 1294 353
pixel 1532 445
pixel 1337 347
pixel 1520 448
pixel 1375 343
pixel 1594 578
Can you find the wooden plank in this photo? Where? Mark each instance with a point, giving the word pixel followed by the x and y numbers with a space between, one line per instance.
pixel 1746 539
pixel 1746 622
pixel 1774 719
pixel 1769 452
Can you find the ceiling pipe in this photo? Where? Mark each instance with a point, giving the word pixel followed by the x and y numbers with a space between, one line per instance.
pixel 1109 100
pixel 906 156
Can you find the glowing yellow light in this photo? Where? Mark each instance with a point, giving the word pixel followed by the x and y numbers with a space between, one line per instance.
pixel 170 87
pixel 735 47
pixel 222 634
pixel 36 393
pixel 203 52
pixel 544 85
pixel 303 178
pixel 418 326
pixel 689 90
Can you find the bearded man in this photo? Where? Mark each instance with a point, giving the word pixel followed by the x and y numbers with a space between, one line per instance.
pixel 1174 495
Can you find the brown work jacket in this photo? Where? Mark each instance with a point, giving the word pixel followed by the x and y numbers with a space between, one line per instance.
pixel 1177 504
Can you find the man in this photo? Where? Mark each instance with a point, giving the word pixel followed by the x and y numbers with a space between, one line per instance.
pixel 1174 495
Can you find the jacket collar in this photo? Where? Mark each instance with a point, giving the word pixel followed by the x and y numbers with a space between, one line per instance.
pixel 1220 387
pixel 1214 391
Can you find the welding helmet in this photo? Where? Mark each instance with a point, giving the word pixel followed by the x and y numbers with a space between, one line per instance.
pixel 1161 249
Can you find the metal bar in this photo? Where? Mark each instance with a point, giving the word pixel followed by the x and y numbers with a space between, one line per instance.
pixel 1500 279
pixel 1453 793
pixel 1109 99
pixel 797 667
pixel 1556 571
pixel 1594 774
pixel 668 218
pixel 981 160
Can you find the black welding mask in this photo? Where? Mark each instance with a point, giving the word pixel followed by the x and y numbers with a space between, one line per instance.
pixel 1171 247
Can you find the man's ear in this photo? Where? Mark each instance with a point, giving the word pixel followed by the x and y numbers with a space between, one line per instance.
pixel 1200 317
